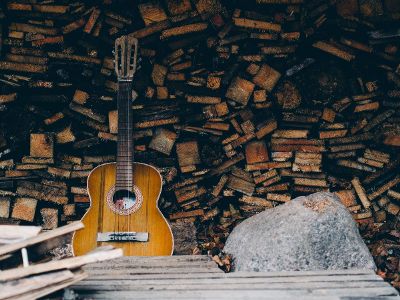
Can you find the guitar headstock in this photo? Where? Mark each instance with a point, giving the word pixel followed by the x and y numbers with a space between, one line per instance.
pixel 125 57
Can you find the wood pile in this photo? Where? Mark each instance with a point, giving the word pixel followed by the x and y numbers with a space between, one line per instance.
pixel 39 276
pixel 242 105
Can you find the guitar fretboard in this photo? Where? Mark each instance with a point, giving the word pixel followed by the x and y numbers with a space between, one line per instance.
pixel 125 137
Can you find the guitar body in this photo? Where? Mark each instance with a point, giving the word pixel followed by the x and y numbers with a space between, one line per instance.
pixel 100 217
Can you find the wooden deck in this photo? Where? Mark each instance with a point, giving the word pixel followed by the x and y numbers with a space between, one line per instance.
pixel 197 277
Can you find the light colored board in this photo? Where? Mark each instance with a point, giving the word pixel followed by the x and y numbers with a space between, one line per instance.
pixel 124 268
pixel 154 264
pixel 113 285
pixel 162 270
pixel 98 269
pixel 41 237
pixel 132 265
pixel 146 259
pixel 264 297
pixel 15 233
pixel 244 294
pixel 210 279
pixel 53 288
pixel 68 263
pixel 21 286
pixel 371 298
pixel 305 273
pixel 241 297
pixel 4 257
pixel 223 276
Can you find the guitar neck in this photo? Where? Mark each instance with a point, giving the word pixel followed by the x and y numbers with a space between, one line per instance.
pixel 125 136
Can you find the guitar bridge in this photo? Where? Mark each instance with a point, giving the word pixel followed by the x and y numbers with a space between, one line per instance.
pixel 127 236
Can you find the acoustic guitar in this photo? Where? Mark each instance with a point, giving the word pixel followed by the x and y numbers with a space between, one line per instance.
pixel 124 195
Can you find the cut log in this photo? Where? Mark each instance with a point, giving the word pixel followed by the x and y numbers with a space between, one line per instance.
pixel 266 77
pixel 240 90
pixel 41 145
pixel 24 209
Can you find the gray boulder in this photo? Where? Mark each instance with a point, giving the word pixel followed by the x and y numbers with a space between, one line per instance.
pixel 308 233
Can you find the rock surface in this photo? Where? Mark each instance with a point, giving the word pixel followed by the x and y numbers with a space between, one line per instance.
pixel 308 233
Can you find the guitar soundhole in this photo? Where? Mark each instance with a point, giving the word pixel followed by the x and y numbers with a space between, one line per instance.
pixel 124 202
pixel 124 199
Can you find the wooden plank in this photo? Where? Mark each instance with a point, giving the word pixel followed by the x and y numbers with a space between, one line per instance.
pixel 185 29
pixel 41 237
pixel 53 288
pixel 245 294
pixel 219 278
pixel 360 192
pixel 132 264
pixel 215 284
pixel 24 285
pixel 138 261
pixel 242 296
pixel 22 67
pixel 128 262
pixel 334 50
pixel 68 263
pixel 146 259
pixel 235 276
pixel 384 188
pixel 157 285
pixel 14 233
pixel 121 269
pixel 255 24
pixel 171 270
pixel 149 30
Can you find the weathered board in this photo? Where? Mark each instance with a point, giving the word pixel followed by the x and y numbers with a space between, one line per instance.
pixel 197 277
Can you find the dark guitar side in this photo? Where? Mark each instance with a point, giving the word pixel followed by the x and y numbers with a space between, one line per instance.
pixel 148 218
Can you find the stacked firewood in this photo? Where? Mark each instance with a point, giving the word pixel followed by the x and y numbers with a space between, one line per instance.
pixel 242 105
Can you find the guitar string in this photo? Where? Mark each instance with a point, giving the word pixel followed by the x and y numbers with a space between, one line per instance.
pixel 126 153
pixel 123 99
pixel 129 151
pixel 127 148
pixel 130 133
pixel 119 170
pixel 132 56
pixel 130 146
pixel 118 149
